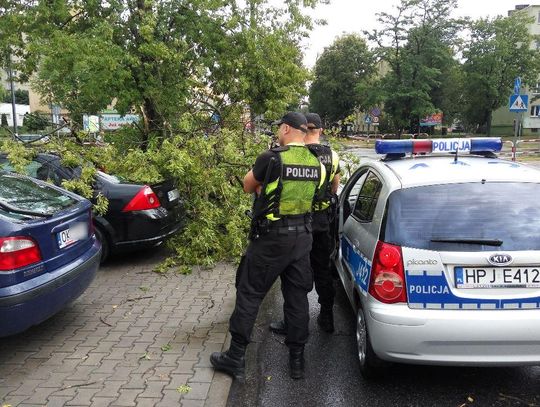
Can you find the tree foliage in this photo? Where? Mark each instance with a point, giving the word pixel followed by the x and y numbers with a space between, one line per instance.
pixel 191 69
pixel 343 65
pixel 499 51
pixel 416 44
pixel 163 58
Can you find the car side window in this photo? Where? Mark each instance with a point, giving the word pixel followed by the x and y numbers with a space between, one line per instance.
pixel 367 198
pixel 34 168
pixel 54 173
pixel 352 196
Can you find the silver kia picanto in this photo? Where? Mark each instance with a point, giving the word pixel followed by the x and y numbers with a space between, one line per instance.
pixel 439 254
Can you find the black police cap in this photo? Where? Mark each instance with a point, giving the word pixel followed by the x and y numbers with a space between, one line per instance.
pixel 293 119
pixel 314 121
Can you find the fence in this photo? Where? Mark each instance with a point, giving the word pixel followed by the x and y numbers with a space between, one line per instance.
pixel 514 150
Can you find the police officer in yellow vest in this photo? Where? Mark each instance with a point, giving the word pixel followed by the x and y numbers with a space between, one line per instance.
pixel 286 180
pixel 323 241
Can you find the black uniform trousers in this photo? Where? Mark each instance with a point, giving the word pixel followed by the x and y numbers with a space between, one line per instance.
pixel 282 252
pixel 323 246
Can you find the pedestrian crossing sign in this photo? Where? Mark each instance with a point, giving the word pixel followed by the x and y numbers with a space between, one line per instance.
pixel 519 103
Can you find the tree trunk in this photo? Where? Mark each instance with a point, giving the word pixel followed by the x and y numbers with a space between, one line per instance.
pixel 151 122
pixel 488 123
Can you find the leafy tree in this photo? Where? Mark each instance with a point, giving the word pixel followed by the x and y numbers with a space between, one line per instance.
pixel 416 43
pixel 166 58
pixel 498 52
pixel 343 65
pixel 177 62
pixel 21 97
pixel 36 121
pixel 4 122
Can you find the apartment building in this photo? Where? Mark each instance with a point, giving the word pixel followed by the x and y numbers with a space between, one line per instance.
pixel 503 119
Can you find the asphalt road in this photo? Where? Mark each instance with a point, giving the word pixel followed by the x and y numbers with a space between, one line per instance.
pixel 333 378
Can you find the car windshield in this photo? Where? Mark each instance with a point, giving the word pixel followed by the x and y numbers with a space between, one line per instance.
pixel 22 193
pixel 465 217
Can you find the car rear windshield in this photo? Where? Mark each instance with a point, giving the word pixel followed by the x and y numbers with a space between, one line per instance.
pixel 22 193
pixel 465 217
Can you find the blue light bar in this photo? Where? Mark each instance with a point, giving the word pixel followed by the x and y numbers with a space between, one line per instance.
pixel 486 144
pixel 460 145
pixel 393 146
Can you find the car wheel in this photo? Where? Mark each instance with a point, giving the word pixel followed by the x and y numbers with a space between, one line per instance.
pixel 371 366
pixel 105 245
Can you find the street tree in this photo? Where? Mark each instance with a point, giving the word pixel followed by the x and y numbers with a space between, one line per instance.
pixel 417 44
pixel 499 50
pixel 163 58
pixel 343 67
pixel 191 69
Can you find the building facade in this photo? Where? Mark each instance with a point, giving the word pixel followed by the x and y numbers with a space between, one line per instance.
pixel 503 120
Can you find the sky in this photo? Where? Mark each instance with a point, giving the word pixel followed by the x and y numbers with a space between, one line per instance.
pixel 348 16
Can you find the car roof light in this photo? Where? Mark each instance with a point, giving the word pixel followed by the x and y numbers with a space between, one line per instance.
pixel 434 146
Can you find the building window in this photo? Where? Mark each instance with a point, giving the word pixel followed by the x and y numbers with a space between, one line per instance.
pixel 535 130
pixel 535 111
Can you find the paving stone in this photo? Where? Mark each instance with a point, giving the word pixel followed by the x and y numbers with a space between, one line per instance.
pixel 199 391
pixel 153 390
pixel 76 359
pixel 102 401
pixel 83 397
pixel 192 403
pixel 127 397
pixel 111 389
pixel 58 401
pixel 202 375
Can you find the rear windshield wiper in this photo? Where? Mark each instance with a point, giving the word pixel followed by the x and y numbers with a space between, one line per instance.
pixel 14 209
pixel 485 242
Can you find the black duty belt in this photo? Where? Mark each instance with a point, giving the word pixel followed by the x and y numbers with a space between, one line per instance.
pixel 291 221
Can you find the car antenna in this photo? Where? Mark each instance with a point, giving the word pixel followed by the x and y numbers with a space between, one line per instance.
pixel 456 156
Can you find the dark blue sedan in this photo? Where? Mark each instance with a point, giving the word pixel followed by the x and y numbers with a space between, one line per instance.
pixel 48 251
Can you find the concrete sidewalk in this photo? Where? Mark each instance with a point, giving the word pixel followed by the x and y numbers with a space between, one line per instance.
pixel 135 338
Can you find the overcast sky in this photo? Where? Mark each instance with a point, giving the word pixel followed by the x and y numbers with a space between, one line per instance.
pixel 346 16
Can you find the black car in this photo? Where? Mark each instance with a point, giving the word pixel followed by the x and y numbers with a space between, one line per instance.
pixel 138 216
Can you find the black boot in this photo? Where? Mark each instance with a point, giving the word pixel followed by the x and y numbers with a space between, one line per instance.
pixel 326 319
pixel 232 361
pixel 296 363
pixel 278 327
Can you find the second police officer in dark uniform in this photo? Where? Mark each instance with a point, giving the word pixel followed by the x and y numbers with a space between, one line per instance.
pixel 323 217
pixel 286 179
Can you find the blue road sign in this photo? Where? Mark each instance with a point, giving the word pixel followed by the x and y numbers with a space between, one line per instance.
pixel 517 85
pixel 367 119
pixel 519 103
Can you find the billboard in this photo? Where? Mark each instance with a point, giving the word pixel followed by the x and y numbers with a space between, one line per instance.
pixel 115 121
pixel 432 120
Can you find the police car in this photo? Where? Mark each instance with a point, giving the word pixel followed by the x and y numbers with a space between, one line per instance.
pixel 439 254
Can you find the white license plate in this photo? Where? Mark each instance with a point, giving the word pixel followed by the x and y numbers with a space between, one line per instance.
pixel 173 195
pixel 497 277
pixel 76 232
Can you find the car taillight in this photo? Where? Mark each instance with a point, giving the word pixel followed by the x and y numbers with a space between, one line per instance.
pixel 145 199
pixel 387 283
pixel 17 252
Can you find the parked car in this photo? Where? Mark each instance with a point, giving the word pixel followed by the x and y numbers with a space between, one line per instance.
pixel 33 138
pixel 48 251
pixel 440 255
pixel 139 216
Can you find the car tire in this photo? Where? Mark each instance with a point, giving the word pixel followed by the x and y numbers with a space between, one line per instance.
pixel 371 366
pixel 105 245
